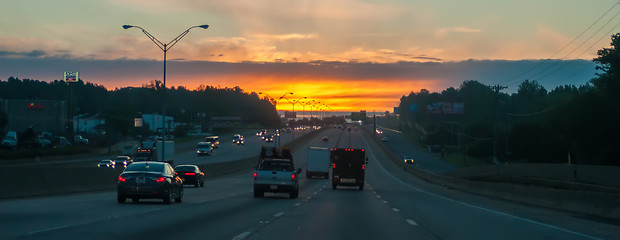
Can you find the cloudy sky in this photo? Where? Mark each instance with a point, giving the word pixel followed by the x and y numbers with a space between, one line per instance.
pixel 349 54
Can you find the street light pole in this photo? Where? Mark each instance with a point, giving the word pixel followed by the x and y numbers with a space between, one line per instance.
pixel 164 47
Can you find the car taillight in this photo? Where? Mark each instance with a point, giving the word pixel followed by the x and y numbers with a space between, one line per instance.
pixel 254 176
pixel 122 179
pixel 190 173
pixel 292 177
pixel 363 167
pixel 333 165
pixel 160 179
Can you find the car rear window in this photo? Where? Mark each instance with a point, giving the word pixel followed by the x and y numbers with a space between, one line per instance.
pixel 275 166
pixel 185 168
pixel 148 167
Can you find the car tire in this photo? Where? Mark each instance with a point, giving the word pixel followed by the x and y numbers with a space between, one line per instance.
pixel 120 198
pixel 179 198
pixel 258 193
pixel 197 183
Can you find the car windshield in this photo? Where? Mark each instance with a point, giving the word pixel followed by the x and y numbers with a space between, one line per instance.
pixel 275 166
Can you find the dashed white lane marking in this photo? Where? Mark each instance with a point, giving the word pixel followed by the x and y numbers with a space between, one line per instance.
pixel 315 193
pixel 385 201
pixel 297 204
pixel 395 210
pixel 242 236
pixel 279 214
pixel 412 223
pixel 48 229
pixel 378 196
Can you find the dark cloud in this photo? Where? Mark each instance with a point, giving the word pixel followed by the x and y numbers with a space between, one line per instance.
pixel 124 72
pixel 31 54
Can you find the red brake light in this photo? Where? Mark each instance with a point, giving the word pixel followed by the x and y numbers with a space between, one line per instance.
pixel 161 179
pixel 254 176
pixel 190 173
pixel 292 177
pixel 333 165
pixel 122 179
pixel 363 167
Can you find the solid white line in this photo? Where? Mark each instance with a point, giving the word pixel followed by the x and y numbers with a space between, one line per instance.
pixel 478 207
pixel 395 210
pixel 241 236
pixel 279 214
pixel 48 229
pixel 412 223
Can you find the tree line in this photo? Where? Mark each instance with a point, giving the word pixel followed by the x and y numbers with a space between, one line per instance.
pixel 120 106
pixel 567 124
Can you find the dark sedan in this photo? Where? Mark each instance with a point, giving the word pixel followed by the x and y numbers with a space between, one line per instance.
pixel 190 174
pixel 149 180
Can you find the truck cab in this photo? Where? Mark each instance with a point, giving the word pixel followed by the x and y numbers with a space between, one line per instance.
pixel 275 172
pixel 348 167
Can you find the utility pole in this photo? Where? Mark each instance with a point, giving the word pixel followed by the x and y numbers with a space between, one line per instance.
pixel 496 88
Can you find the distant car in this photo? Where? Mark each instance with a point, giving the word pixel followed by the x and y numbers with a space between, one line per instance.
pixel 122 161
pixel 268 138
pixel 204 148
pixel 325 139
pixel 106 163
pixel 384 139
pixel 408 160
pixel 43 142
pixel 190 174
pixel 215 140
pixel 149 180
pixel 238 139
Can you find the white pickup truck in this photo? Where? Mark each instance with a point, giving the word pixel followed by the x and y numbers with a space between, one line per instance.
pixel 276 173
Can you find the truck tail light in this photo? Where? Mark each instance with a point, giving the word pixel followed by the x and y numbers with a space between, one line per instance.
pixel 190 174
pixel 363 167
pixel 292 177
pixel 333 165
pixel 255 176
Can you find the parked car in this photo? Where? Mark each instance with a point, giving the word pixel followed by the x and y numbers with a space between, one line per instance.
pixel 62 142
pixel 190 174
pixel 106 163
pixel 10 140
pixel 149 180
pixel 79 140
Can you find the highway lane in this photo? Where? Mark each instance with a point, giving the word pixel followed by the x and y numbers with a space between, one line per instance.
pixel 400 146
pixel 393 205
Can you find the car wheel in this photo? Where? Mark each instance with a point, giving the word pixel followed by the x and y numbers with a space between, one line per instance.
pixel 167 198
pixel 197 183
pixel 202 184
pixel 361 187
pixel 179 198
pixel 294 194
pixel 120 198
pixel 135 199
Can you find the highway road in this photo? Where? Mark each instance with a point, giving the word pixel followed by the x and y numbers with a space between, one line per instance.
pixel 394 205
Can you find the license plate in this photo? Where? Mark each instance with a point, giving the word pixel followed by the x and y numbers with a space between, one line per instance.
pixel 140 180
pixel 273 187
pixel 347 180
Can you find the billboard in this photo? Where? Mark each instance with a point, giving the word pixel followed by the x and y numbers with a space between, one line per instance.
pixel 358 116
pixel 71 77
pixel 445 108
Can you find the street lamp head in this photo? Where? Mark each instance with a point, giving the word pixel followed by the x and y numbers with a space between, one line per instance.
pixel 204 26
pixel 127 26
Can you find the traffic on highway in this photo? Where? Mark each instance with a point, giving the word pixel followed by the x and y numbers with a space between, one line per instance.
pixel 391 204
